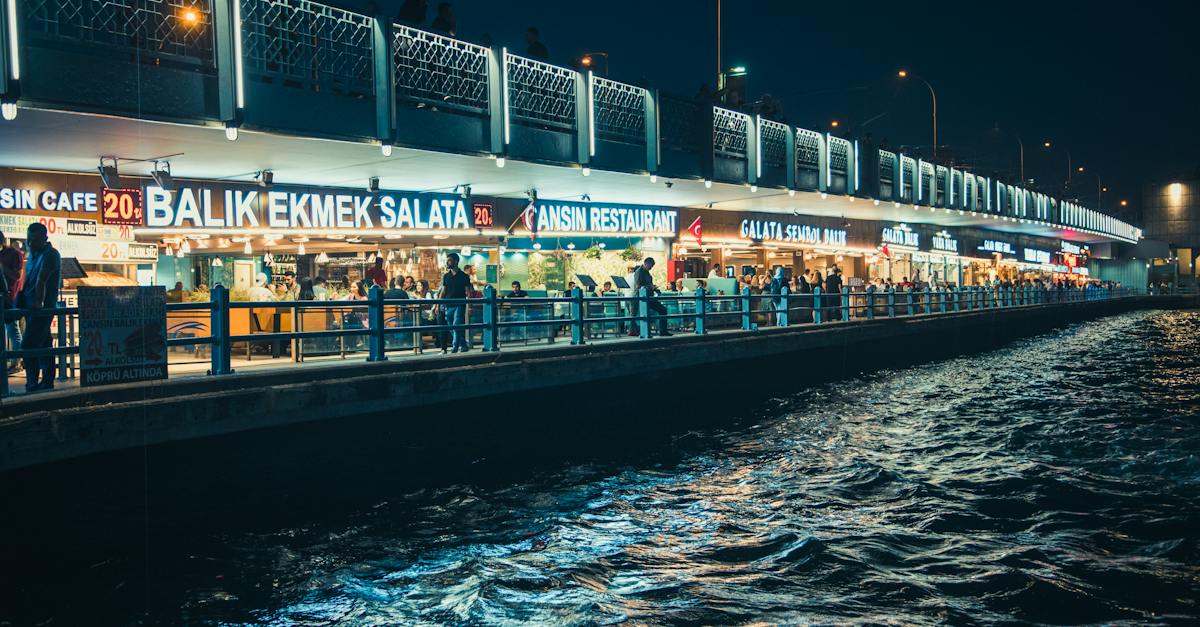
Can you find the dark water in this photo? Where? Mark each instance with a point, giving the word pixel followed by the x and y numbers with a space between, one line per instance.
pixel 1055 480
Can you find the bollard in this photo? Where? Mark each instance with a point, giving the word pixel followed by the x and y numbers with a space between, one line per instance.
pixel 816 305
pixel 491 320
pixel 891 302
pixel 375 341
pixel 870 302
pixel 643 309
pixel 701 310
pixel 577 316
pixel 219 330
pixel 910 301
pixel 846 304
pixel 927 306
pixel 747 318
pixel 942 300
pixel 957 298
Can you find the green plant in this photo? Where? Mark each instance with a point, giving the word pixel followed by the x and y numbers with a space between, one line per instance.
pixel 592 253
pixel 631 254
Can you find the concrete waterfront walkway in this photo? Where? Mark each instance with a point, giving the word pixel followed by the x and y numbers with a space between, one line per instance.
pixel 73 422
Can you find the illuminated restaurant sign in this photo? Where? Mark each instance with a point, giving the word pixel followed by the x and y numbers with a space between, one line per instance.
pixel 1033 255
pixel 997 246
pixel 774 231
pixel 943 242
pixel 1074 249
pixel 26 199
pixel 202 208
pixel 562 217
pixel 901 236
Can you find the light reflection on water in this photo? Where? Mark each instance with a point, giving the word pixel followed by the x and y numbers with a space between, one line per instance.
pixel 1054 480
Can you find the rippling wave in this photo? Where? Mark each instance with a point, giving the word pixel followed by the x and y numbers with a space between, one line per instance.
pixel 1056 480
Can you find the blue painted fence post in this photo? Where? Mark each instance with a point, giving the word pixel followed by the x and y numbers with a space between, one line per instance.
pixel 62 341
pixel 781 308
pixel 928 305
pixel 870 302
pixel 942 300
pixel 577 316
pixel 3 349
pixel 910 301
pixel 491 318
pixel 891 302
pixel 816 307
pixel 701 310
pixel 643 309
pixel 747 321
pixel 375 342
pixel 846 304
pixel 219 330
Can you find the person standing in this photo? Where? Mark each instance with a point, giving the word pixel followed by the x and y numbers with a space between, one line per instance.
pixel 377 275
pixel 445 22
pixel 643 278
pixel 455 285
pixel 537 49
pixel 833 285
pixel 778 300
pixel 12 264
pixel 43 280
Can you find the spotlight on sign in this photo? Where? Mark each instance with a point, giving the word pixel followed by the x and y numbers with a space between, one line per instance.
pixel 109 175
pixel 373 184
pixel 266 178
pixel 162 175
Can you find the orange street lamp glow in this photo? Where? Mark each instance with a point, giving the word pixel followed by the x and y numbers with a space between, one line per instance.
pixel 1046 144
pixel 191 16
pixel 902 73
pixel 586 61
pixel 1080 169
pixel 1124 203
pixel 834 124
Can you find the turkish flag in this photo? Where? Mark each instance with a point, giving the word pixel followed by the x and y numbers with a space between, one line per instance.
pixel 696 230
pixel 530 218
pixel 886 253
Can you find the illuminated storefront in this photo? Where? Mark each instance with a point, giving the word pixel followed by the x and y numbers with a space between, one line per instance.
pixel 736 244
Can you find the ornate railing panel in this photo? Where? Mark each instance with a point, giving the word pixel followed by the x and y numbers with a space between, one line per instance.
pixel 620 111
pixel 178 28
pixel 887 165
pixel 908 166
pixel 439 71
pixel 773 143
pixel 540 94
pixel 839 155
pixel 680 124
pixel 308 45
pixel 729 132
pixel 808 149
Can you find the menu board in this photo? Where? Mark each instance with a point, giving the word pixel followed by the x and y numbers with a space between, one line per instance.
pixel 122 334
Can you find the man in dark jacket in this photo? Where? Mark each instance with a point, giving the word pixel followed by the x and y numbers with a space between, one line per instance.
pixel 833 286
pixel 642 278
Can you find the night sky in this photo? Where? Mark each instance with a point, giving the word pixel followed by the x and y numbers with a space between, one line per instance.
pixel 1116 89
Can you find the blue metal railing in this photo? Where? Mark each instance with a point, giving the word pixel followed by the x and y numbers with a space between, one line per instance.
pixel 378 326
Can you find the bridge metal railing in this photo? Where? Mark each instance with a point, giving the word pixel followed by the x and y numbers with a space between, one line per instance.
pixel 540 94
pixel 175 30
pixel 620 111
pixel 437 71
pixel 308 45
pixel 379 326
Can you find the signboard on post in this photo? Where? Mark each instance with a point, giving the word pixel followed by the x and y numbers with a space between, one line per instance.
pixel 122 334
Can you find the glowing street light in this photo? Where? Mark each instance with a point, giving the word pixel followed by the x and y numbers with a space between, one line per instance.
pixel 904 74
pixel 834 124
pixel 190 16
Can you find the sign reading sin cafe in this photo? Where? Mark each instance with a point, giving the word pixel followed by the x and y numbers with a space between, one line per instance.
pixel 204 207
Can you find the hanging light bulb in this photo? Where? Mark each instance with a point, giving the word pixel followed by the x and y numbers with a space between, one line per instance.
pixel 185 248
pixel 322 258
pixel 371 259
pixel 300 249
pixel 246 249
pixel 231 133
pixel 217 263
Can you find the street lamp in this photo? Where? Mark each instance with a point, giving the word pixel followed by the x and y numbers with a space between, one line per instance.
pixel 904 74
pixel 588 61
pixel 1049 146
pixel 834 124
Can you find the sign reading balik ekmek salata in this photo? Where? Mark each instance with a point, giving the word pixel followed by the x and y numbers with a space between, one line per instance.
pixel 122 334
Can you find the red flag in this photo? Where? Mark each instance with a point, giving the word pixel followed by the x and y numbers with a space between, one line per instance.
pixel 696 230
pixel 885 251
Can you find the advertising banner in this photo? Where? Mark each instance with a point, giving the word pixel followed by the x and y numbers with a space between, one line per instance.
pixel 122 334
